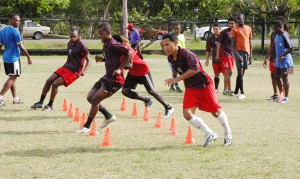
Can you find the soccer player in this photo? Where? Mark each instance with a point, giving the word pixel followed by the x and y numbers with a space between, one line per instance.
pixel 199 89
pixel 272 56
pixel 181 43
pixel 10 38
pixel 225 55
pixel 284 61
pixel 140 74
pixel 241 36
pixel 69 72
pixel 112 81
pixel 211 46
pixel 135 39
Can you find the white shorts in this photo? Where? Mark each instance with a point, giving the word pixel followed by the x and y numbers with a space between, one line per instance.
pixel 13 68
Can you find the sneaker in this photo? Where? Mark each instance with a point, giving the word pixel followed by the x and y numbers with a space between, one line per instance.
pixel 47 108
pixel 169 112
pixel 209 139
pixel 178 90
pixel 105 122
pixel 273 97
pixel 19 101
pixel 242 97
pixel 37 105
pixel 2 103
pixel 227 140
pixel 230 93
pixel 172 88
pixel 284 100
pixel 148 103
pixel 83 130
pixel 225 93
pixel 236 95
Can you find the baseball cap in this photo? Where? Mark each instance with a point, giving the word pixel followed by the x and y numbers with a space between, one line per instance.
pixel 130 26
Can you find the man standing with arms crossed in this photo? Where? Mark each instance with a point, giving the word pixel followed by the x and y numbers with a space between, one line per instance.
pixel 10 38
pixel 241 36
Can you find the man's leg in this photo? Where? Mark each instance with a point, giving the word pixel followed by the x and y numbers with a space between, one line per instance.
pixel 222 118
pixel 58 82
pixel 7 85
pixel 217 81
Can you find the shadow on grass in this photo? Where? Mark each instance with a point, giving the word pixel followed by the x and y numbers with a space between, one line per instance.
pixel 28 132
pixel 53 152
pixel 31 118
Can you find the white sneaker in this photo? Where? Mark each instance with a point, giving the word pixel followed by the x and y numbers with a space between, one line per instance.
pixel 2 103
pixel 83 130
pixel 236 95
pixel 105 122
pixel 209 139
pixel 227 140
pixel 242 97
pixel 169 112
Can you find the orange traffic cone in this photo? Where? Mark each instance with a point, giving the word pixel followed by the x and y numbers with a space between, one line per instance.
pixel 146 115
pixel 189 137
pixel 159 123
pixel 70 113
pixel 134 110
pixel 107 138
pixel 93 131
pixel 281 96
pixel 65 106
pixel 77 115
pixel 123 105
pixel 173 130
pixel 82 120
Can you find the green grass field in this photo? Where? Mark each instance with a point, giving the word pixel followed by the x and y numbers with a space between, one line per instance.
pixel 37 144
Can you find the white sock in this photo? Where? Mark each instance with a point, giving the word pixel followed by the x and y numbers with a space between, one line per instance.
pixel 16 98
pixel 224 122
pixel 1 97
pixel 199 123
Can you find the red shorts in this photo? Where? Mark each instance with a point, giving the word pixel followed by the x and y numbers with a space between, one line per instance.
pixel 68 76
pixel 272 68
pixel 227 63
pixel 205 98
pixel 217 68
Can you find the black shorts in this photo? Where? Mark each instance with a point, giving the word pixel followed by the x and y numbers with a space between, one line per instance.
pixel 282 72
pixel 108 86
pixel 132 81
pixel 13 68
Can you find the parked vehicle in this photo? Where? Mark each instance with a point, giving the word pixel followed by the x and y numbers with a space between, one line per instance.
pixel 203 32
pixel 34 30
pixel 151 33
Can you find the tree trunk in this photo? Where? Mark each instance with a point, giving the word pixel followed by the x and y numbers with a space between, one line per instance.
pixel 106 12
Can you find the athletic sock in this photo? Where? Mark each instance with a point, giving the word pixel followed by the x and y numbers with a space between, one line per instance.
pixel 42 98
pixel 50 103
pixel 199 123
pixel 88 122
pixel 216 81
pixel 224 122
pixel 106 114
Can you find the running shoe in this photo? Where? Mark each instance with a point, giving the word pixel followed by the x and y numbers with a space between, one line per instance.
pixel 47 108
pixel 169 112
pixel 148 103
pixel 83 130
pixel 37 105
pixel 105 122
pixel 273 97
pixel 209 139
pixel 19 101
pixel 227 140
pixel 2 103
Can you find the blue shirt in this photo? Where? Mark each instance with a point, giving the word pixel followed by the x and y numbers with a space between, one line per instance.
pixel 282 43
pixel 10 37
pixel 135 37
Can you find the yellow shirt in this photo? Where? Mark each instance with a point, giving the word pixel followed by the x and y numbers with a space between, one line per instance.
pixel 181 40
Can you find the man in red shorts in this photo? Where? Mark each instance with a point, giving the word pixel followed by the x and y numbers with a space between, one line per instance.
pixel 225 56
pixel 199 89
pixel 71 71
pixel 211 46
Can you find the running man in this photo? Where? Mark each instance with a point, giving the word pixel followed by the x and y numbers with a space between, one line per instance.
pixel 10 38
pixel 241 36
pixel 181 43
pixel 284 61
pixel 140 74
pixel 199 89
pixel 225 55
pixel 211 46
pixel 112 81
pixel 69 72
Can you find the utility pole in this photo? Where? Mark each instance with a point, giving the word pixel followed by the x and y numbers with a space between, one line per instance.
pixel 125 18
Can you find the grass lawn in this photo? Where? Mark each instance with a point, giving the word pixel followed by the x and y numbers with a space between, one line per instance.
pixel 37 144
